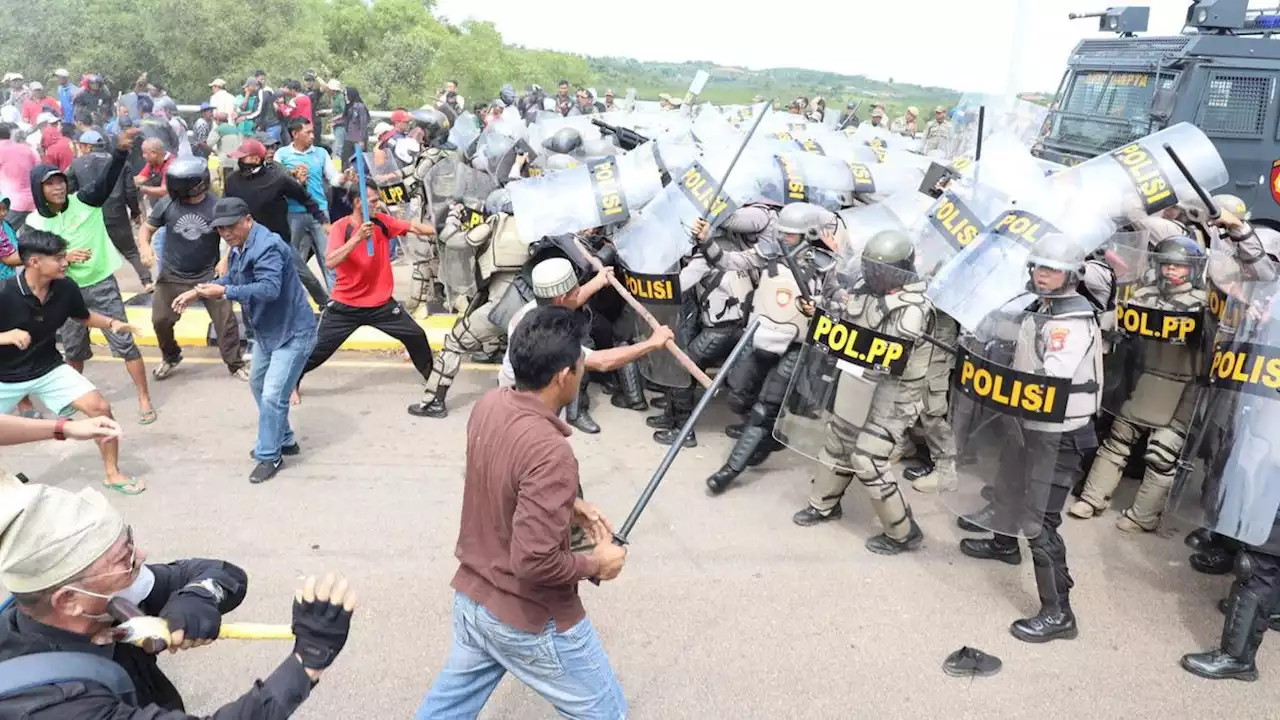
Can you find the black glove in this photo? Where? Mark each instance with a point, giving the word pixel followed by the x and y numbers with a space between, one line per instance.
pixel 194 611
pixel 320 630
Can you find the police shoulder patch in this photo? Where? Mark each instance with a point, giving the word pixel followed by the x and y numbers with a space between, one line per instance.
pixel 1058 339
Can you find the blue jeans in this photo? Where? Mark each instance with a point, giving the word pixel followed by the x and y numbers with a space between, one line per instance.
pixel 308 240
pixel 569 669
pixel 272 377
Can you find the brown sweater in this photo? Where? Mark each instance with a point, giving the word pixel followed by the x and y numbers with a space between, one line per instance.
pixel 513 546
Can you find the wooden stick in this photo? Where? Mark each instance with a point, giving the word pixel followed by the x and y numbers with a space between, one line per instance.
pixel 703 379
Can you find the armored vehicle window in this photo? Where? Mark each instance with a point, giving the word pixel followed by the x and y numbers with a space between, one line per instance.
pixel 1104 110
pixel 1235 105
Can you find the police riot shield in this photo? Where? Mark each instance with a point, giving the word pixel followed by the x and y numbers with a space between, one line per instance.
pixel 992 270
pixel 601 191
pixel 659 236
pixel 660 294
pixel 1226 479
pixel 856 371
pixel 464 131
pixel 392 180
pixel 1009 418
pixel 949 225
pixel 1156 349
pixel 1126 253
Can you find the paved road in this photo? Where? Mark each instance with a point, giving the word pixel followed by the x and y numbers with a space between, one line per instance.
pixel 725 610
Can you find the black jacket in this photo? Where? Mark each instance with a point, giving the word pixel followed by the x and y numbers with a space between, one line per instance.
pixel 266 192
pixel 157 699
pixel 94 194
pixel 123 201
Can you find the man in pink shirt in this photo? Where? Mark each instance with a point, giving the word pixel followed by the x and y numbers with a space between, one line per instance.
pixel 16 161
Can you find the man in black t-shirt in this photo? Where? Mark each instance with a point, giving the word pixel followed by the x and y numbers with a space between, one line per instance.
pixel 191 257
pixel 33 305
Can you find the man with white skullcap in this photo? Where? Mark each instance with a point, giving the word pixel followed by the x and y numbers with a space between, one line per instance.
pixel 64 555
pixel 556 283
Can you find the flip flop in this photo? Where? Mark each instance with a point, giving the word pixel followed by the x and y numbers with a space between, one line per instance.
pixel 122 487
pixel 147 417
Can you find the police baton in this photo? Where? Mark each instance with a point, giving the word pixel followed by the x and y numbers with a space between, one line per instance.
pixel 715 194
pixel 621 536
pixel 1214 214
pixel 648 317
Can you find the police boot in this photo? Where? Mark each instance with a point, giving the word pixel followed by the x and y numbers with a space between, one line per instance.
pixel 664 421
pixel 812 516
pixel 1055 621
pixel 762 453
pixel 883 544
pixel 1213 560
pixel 1001 547
pixel 738 458
pixel 1241 635
pixel 630 393
pixel 978 522
pixel 734 431
pixel 577 414
pixel 435 408
pixel 941 477
pixel 1199 539
pixel 912 474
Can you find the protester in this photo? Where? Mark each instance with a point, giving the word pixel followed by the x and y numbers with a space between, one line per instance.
pixel 517 581
pixel 9 258
pixel 121 209
pixel 362 296
pixel 17 160
pixel 37 102
pixel 150 180
pixel 78 219
pixel 355 118
pixel 192 248
pixel 64 555
pixel 261 277
pixel 34 304
pixel 309 230
pixel 66 93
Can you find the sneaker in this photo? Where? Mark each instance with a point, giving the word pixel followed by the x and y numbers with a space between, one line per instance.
pixel 241 373
pixel 293 449
pixel 265 471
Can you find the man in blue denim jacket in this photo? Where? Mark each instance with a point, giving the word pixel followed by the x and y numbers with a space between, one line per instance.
pixel 262 277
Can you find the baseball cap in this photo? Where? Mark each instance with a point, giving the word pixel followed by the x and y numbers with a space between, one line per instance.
pixel 35 85
pixel 61 72
pixel 229 211
pixel 205 106
pixel 939 109
pixel 913 110
pixel 51 172
pixel 381 128
pixel 609 93
pixel 400 116
pixel 877 113
pixel 308 74
pixel 90 137
pixel 16 76
pixel 247 148
pixel 218 82
pixel 45 118
pixel 334 84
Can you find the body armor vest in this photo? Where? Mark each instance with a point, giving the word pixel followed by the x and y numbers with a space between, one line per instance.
pixel 502 248
pixel 1076 315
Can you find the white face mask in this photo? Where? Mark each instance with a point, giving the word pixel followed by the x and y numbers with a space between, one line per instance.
pixel 135 593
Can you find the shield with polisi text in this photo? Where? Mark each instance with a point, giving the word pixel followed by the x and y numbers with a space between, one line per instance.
pixel 598 192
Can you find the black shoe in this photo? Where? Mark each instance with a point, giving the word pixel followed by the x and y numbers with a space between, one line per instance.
pixel 666 437
pixel 1241 635
pixel 989 549
pixel 1213 561
pixel 619 400
pixel 970 523
pixel 915 473
pixel 988 493
pixel 583 422
pixel 971 662
pixel 1199 539
pixel 665 421
pixel 734 431
pixel 265 471
pixel 483 358
pixel 761 454
pixel 659 402
pixel 720 481
pixel 290 450
pixel 1049 624
pixel 884 545
pixel 434 409
pixel 809 516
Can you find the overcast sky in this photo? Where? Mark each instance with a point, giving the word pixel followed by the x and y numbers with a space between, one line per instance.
pixel 961 44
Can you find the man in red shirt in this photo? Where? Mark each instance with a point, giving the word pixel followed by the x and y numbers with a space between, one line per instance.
pixel 360 254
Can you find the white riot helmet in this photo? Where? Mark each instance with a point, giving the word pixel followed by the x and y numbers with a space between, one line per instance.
pixel 806 220
pixel 1056 252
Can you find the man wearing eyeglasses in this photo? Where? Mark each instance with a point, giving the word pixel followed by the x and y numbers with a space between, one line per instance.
pixel 64 555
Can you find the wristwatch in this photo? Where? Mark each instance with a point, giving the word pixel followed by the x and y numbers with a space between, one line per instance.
pixel 58 425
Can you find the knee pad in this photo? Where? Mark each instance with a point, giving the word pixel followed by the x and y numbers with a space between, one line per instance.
pixel 760 415
pixel 1047 547
pixel 739 404
pixel 1244 566
pixel 1163 448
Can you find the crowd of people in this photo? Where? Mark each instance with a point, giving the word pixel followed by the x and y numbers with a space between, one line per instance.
pixel 763 286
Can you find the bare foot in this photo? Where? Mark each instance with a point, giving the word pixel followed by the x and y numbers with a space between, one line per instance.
pixel 295 397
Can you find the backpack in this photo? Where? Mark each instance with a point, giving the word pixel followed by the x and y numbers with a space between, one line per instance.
pixel 23 674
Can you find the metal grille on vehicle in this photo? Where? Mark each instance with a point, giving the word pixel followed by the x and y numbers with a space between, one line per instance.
pixel 1235 105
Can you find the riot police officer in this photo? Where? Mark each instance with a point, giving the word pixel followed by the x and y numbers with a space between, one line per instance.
pixel 1058 337
pixel 1157 390
pixel 872 412
pixel 432 167
pixel 500 257
pixel 759 382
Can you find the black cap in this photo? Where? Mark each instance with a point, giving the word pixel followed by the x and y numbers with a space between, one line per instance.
pixel 228 212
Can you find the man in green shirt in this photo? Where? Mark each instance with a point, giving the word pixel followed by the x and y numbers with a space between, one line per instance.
pixel 93 261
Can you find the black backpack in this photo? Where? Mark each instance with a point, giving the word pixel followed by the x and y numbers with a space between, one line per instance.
pixel 21 676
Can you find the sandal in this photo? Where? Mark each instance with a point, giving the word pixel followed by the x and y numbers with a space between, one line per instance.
pixel 148 417
pixel 124 487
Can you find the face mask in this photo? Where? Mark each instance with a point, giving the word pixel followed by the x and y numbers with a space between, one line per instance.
pixel 249 168
pixel 135 593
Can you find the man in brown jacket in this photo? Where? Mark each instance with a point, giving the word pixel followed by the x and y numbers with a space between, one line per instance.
pixel 517 607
